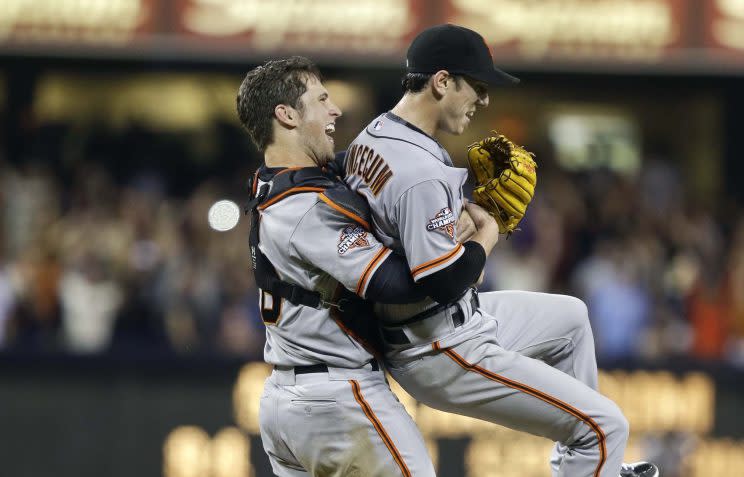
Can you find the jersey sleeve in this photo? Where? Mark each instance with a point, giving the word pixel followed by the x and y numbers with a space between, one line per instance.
pixel 338 242
pixel 426 225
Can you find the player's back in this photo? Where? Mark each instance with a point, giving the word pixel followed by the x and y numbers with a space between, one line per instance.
pixel 414 193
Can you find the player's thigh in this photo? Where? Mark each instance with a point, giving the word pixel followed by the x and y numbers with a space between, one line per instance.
pixel 526 318
pixel 381 424
pixel 353 427
pixel 272 426
pixel 482 380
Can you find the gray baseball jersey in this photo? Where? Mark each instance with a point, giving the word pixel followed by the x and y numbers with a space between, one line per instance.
pixel 313 245
pixel 519 359
pixel 415 194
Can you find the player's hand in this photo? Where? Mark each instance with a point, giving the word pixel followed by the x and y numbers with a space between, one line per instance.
pixel 465 226
pixel 487 234
pixel 481 218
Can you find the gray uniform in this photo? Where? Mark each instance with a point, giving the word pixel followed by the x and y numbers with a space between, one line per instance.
pixel 345 421
pixel 520 359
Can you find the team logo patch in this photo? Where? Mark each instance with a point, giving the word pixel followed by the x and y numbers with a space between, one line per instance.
pixel 444 221
pixel 352 236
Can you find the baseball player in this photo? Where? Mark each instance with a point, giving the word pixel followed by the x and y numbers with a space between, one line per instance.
pixel 326 408
pixel 523 360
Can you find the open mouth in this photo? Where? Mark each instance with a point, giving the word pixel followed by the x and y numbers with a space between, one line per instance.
pixel 470 114
pixel 329 130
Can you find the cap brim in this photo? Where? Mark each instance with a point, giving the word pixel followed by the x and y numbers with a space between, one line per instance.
pixel 495 77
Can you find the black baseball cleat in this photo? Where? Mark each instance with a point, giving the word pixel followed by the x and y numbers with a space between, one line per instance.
pixel 639 469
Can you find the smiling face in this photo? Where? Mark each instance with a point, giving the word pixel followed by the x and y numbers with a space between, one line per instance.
pixel 318 122
pixel 459 103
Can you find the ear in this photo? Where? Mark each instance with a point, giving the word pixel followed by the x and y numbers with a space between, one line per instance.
pixel 287 115
pixel 440 82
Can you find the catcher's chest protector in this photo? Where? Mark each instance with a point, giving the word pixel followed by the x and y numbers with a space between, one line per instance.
pixel 278 184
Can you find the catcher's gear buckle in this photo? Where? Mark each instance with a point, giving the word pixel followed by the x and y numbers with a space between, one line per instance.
pixel 329 304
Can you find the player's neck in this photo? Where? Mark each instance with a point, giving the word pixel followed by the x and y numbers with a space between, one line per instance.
pixel 283 155
pixel 418 110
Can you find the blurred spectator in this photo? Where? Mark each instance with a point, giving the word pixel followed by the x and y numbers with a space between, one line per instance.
pixel 7 302
pixel 90 301
pixel 619 304
pixel 106 248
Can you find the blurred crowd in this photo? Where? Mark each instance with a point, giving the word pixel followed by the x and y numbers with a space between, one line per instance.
pixel 663 276
pixel 94 262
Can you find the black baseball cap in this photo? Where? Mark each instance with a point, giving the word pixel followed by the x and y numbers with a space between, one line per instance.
pixel 458 50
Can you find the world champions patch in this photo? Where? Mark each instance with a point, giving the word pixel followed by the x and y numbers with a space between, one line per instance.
pixel 352 236
pixel 444 221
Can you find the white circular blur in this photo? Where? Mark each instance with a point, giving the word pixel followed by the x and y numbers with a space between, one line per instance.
pixel 223 215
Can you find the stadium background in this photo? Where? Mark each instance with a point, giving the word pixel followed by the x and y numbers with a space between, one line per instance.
pixel 129 337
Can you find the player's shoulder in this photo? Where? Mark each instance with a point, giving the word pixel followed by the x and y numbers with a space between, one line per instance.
pixel 340 202
pixel 391 132
pixel 393 155
pixel 313 207
pixel 288 193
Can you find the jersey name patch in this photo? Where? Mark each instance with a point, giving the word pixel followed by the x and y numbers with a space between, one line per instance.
pixel 364 162
pixel 352 236
pixel 444 221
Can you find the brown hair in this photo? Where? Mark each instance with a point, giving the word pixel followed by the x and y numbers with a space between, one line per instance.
pixel 266 86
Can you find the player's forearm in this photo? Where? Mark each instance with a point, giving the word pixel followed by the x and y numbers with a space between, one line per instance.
pixel 446 285
pixel 392 283
pixel 487 238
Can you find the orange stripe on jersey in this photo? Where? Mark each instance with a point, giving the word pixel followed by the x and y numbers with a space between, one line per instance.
pixel 293 190
pixel 356 389
pixel 367 273
pixel 255 184
pixel 346 212
pixel 288 169
pixel 436 262
pixel 535 393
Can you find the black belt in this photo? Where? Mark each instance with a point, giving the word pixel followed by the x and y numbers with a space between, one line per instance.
pixel 398 337
pixel 323 368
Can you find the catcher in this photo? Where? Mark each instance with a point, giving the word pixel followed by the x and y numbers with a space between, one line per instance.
pixel 519 359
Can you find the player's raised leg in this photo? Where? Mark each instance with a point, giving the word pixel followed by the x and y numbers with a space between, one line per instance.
pixel 549 327
pixel 481 379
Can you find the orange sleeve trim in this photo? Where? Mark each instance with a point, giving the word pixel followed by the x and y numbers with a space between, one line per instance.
pixel 601 438
pixel 356 389
pixel 436 262
pixel 292 191
pixel 346 212
pixel 255 184
pixel 364 279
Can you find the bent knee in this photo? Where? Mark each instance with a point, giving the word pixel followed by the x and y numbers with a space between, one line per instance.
pixel 575 314
pixel 613 422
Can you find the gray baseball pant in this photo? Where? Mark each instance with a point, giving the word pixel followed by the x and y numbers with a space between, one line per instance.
pixel 531 367
pixel 340 423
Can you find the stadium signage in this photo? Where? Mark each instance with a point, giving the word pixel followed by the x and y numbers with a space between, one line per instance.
pixel 370 25
pixel 640 29
pixel 685 34
pixel 98 22
pixel 725 24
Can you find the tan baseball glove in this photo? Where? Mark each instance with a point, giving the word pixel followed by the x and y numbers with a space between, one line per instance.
pixel 505 175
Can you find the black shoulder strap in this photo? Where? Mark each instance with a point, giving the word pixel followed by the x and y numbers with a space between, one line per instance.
pixel 349 203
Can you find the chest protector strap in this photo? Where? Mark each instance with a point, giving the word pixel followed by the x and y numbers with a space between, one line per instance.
pixel 283 185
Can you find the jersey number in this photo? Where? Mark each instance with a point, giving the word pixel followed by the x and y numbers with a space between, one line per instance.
pixel 271 308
